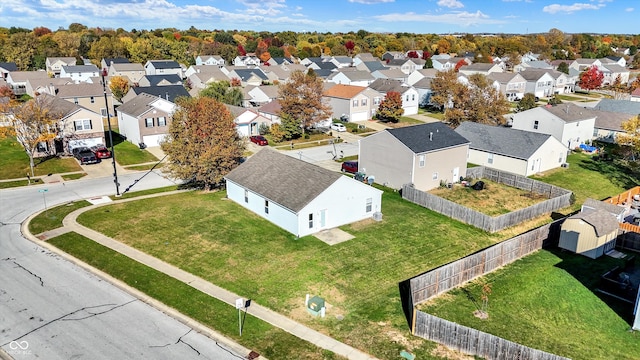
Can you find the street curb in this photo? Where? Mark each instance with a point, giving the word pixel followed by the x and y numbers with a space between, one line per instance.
pixel 165 309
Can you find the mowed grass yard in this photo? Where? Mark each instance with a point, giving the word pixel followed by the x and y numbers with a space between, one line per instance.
pixel 546 301
pixel 210 236
pixel 14 162
pixel 495 199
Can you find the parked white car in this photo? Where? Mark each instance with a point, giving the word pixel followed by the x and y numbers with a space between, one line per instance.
pixel 338 127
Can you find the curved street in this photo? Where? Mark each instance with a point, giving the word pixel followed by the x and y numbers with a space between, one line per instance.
pixel 53 309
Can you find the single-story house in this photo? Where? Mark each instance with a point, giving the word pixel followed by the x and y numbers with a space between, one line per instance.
pixel 423 155
pixel 300 197
pixel 517 151
pixel 591 234
pixel 145 119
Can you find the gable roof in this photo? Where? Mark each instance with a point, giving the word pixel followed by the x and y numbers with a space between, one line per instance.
pixel 154 80
pixel 416 137
pixel 499 140
pixel 246 74
pixel 285 180
pixel 353 74
pixel 609 120
pixel 374 65
pixel 167 92
pixel 619 106
pixel 110 61
pixel 569 112
pixel 165 64
pixel 9 66
pixel 532 74
pixel 478 66
pixel 343 91
pixel 80 90
pixel 504 77
pixel 602 221
pixel 138 105
pixel 386 85
pixel 127 67
pixel 272 107
pixel 603 205
pixel 80 68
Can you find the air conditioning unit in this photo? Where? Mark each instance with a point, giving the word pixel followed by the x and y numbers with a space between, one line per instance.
pixel 565 165
pixel 377 216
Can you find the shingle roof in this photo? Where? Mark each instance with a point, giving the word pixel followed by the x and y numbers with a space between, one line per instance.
pixel 532 74
pixel 167 92
pixel 428 137
pixel 386 85
pixel 127 67
pixel 80 90
pixel 245 74
pixel 374 65
pixel 165 64
pixel 609 120
pixel 110 61
pixel 602 205
pixel 282 179
pixel 502 77
pixel 344 91
pixel 498 140
pixel 80 68
pixel 272 107
pixel 354 75
pixel 157 79
pixel 478 66
pixel 619 106
pixel 9 66
pixel 138 105
pixel 603 223
pixel 569 112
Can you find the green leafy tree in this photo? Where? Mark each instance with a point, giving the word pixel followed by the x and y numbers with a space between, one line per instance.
pixel 563 67
pixel 203 144
pixel 390 109
pixel 555 100
pixel 301 99
pixel 527 102
pixel 223 92
pixel 290 127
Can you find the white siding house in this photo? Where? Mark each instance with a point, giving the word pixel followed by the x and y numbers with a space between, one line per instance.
pixel 299 197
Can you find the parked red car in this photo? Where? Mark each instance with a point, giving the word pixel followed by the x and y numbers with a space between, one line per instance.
pixel 350 167
pixel 101 151
pixel 259 140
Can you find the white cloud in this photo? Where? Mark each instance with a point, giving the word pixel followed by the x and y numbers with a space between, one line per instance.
pixel 371 2
pixel 462 18
pixel 556 8
pixel 452 4
pixel 628 9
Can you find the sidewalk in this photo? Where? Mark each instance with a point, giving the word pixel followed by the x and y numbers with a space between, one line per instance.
pixel 301 331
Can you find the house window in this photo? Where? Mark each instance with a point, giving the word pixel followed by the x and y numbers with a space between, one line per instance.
pixel 535 124
pixel 363 102
pixel 266 206
pixel 376 101
pixel 162 121
pixel 595 132
pixel 369 205
pixel 82 124
pixel 413 97
pixel 355 102
pixel 42 146
pixel 103 112
pixel 246 195
pixel 434 176
pixel 148 122
pixel 93 100
pixel 490 159
pixel 310 221
pixel 407 98
pixel 421 160
pixel 75 100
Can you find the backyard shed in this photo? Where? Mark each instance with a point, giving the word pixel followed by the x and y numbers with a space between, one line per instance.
pixel 591 234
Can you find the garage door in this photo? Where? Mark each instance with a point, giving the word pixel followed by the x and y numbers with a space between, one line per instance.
pixel 153 140
pixel 359 116
pixel 84 142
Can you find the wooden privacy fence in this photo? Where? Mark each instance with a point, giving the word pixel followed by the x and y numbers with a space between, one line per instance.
pixel 437 281
pixel 625 197
pixel 476 342
pixel 446 277
pixel 561 198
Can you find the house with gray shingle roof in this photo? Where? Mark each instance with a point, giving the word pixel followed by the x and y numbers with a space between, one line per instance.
pixel 350 102
pixel 516 151
pixel 53 65
pixel 17 80
pixel 423 155
pixel 163 67
pixel 160 80
pixel 351 76
pixel 409 94
pixel 619 106
pixel 6 68
pixel 300 197
pixel 79 73
pixel 591 233
pixel 133 71
pixel 145 119
pixel 608 125
pixel 167 92
pixel 249 76
pixel 572 125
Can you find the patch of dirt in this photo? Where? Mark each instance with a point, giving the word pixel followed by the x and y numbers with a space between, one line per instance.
pixel 362 224
pixel 332 297
pixel 445 352
pixel 409 342
pixel 481 314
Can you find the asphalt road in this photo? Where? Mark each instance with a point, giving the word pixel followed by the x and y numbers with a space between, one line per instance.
pixel 52 309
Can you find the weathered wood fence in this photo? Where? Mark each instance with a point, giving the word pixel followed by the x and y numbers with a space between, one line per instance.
pixel 628 241
pixel 558 198
pixel 437 281
pixel 476 342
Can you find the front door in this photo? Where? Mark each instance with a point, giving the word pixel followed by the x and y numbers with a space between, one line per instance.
pixel 456 175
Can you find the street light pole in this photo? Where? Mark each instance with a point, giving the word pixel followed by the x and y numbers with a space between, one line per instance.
pixel 113 153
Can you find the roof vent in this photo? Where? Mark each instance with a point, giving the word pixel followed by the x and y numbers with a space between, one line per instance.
pixel 430 136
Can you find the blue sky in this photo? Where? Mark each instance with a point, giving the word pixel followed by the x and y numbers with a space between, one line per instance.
pixel 414 16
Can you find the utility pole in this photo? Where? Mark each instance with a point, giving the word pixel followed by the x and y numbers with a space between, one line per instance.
pixel 113 153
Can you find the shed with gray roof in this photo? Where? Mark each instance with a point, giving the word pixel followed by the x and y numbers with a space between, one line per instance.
pixel 591 234
pixel 300 197
pixel 517 151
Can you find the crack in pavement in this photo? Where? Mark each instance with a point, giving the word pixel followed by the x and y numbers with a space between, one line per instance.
pixel 186 343
pixel 29 271
pixel 62 318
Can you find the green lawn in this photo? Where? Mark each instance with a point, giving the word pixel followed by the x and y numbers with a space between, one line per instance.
pixel 207 235
pixel 546 301
pixel 130 154
pixel 14 162
pixel 590 178
pixel 257 335
pixel 52 218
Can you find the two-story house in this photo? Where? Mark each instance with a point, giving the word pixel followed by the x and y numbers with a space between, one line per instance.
pixel 353 103
pixel 409 95
pixel 163 67
pixel 539 82
pixel 79 73
pixel 512 85
pixel 54 65
pixel 145 119
pixel 214 60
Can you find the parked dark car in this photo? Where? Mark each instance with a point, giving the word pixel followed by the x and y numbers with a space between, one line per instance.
pixel 101 151
pixel 85 155
pixel 350 167
pixel 259 139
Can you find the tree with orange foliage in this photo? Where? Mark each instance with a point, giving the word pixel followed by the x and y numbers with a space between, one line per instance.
pixel 119 87
pixel 460 64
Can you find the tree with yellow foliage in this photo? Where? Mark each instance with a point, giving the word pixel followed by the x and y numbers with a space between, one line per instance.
pixel 119 86
pixel 631 137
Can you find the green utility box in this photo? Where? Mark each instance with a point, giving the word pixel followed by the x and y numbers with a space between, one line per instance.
pixel 316 306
